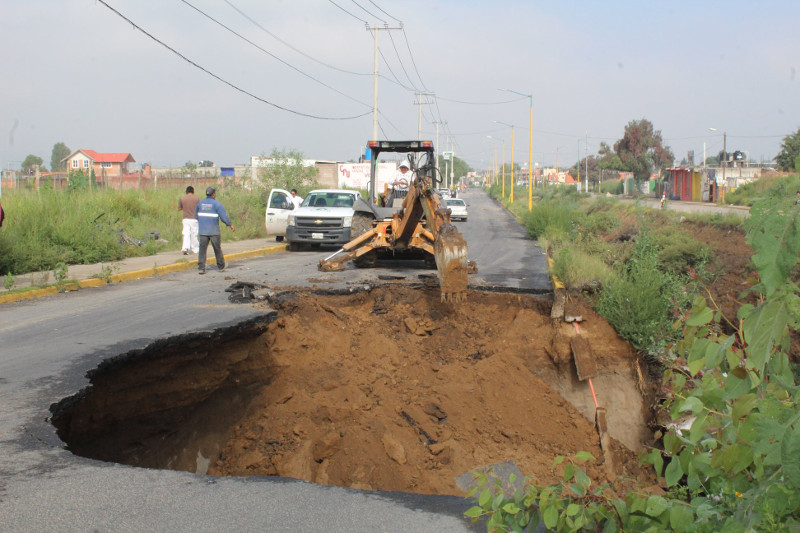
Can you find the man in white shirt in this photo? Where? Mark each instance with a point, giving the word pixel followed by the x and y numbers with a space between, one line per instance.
pixel 296 199
pixel 399 187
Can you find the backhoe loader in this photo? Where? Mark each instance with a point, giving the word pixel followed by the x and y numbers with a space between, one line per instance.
pixel 415 226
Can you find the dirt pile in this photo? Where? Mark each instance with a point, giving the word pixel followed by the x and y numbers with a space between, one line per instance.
pixel 393 390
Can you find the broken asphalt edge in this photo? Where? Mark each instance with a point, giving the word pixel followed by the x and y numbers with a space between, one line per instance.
pixel 130 275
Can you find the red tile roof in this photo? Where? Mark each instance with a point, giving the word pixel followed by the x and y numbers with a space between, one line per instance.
pixel 108 158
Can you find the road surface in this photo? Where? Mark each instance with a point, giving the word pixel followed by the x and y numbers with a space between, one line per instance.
pixel 47 346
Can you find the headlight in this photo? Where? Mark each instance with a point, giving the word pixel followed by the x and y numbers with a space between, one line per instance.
pixel 347 222
pixel 290 220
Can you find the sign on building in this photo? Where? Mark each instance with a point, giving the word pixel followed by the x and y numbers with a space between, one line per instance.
pixel 356 175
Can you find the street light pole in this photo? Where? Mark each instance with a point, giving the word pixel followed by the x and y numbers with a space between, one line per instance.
pixel 530 149
pixel 511 195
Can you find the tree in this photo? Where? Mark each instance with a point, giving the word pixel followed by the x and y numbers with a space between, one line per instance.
pixel 786 159
pixel 641 150
pixel 459 166
pixel 608 159
pixel 285 170
pixel 60 152
pixel 30 162
pixel 189 168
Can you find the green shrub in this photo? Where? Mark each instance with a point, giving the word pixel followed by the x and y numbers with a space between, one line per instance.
pixel 577 268
pixel 639 302
pixel 549 216
pixel 679 251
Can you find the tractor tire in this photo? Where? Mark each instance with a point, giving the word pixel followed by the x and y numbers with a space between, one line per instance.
pixel 362 223
pixel 430 261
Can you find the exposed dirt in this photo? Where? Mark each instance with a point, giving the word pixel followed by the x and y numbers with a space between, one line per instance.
pixel 394 390
pixel 389 389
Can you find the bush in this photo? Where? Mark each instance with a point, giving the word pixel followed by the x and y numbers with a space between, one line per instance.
pixel 549 216
pixel 639 302
pixel 577 268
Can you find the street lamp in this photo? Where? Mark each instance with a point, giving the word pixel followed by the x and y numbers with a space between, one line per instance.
pixel 724 161
pixel 530 150
pixel 494 160
pixel 511 195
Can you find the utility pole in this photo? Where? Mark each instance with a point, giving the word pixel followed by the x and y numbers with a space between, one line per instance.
pixel 420 103
pixel 436 146
pixel 724 163
pixel 375 30
pixel 586 150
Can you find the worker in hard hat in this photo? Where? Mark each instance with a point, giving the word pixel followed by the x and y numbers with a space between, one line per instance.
pixel 399 186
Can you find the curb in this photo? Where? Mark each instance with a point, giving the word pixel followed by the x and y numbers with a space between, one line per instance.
pixel 132 275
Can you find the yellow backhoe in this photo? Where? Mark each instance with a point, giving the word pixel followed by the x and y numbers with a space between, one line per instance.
pixel 416 226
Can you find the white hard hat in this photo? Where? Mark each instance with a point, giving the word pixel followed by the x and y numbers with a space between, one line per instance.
pixel 404 163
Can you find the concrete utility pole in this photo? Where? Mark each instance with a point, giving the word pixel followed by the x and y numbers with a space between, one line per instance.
pixel 375 30
pixel 420 103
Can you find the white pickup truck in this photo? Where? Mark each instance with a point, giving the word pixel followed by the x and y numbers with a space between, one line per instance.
pixel 324 217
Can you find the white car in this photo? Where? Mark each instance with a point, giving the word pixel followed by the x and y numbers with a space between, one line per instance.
pixel 458 208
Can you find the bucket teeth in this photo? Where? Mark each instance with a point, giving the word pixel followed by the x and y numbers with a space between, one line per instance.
pixel 450 250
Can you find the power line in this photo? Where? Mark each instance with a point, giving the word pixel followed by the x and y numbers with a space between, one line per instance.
pixel 309 76
pixel 229 84
pixel 408 45
pixel 262 28
pixel 367 12
pixel 346 11
pixel 384 12
pixel 401 61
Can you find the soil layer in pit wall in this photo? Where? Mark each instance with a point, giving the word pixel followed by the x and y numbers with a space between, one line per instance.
pixel 393 390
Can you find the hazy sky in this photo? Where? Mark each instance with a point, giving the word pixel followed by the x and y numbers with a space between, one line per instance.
pixel 76 72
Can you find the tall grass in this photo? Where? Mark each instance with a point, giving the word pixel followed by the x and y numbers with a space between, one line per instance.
pixel 46 228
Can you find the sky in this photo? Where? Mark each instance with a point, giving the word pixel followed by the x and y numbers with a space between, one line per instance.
pixel 224 80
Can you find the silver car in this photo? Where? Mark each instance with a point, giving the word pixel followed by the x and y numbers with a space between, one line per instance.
pixel 458 208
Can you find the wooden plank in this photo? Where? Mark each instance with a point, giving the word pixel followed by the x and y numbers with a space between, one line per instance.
pixel 584 358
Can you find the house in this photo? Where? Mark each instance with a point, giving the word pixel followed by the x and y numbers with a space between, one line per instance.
pixel 105 166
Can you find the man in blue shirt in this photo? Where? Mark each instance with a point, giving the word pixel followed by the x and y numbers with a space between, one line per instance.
pixel 208 213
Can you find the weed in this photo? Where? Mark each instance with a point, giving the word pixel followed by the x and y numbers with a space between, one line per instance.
pixel 106 272
pixel 60 272
pixel 10 282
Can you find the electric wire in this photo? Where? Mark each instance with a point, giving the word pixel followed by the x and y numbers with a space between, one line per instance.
pixel 226 82
pixel 408 45
pixel 367 12
pixel 290 46
pixel 384 12
pixel 401 62
pixel 346 11
pixel 248 41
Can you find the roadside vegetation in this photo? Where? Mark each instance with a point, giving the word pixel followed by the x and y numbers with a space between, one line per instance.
pixel 727 460
pixel 53 227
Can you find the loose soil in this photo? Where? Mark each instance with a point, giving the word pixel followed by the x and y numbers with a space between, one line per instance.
pixel 388 389
pixel 394 390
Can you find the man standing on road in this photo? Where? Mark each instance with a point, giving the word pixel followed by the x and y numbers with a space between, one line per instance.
pixel 187 203
pixel 296 199
pixel 209 212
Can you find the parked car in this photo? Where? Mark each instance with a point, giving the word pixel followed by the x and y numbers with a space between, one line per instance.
pixel 458 208
pixel 443 193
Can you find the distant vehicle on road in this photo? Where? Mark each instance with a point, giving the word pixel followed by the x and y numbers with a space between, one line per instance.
pixel 458 208
pixel 443 193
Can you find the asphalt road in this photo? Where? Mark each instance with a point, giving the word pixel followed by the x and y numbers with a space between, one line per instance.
pixel 47 346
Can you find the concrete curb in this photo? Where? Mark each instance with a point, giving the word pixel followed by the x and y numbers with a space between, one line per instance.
pixel 131 275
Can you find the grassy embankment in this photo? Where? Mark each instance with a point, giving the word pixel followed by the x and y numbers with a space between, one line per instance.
pixel 50 229
pixel 640 266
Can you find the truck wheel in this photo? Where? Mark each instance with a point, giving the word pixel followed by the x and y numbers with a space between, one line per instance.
pixel 294 246
pixel 362 223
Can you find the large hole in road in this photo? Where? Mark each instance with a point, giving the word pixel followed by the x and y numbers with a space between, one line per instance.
pixel 386 389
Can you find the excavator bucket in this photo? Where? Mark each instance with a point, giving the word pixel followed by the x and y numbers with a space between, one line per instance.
pixel 450 251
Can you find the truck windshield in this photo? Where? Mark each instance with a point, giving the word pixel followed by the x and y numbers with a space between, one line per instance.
pixel 328 199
